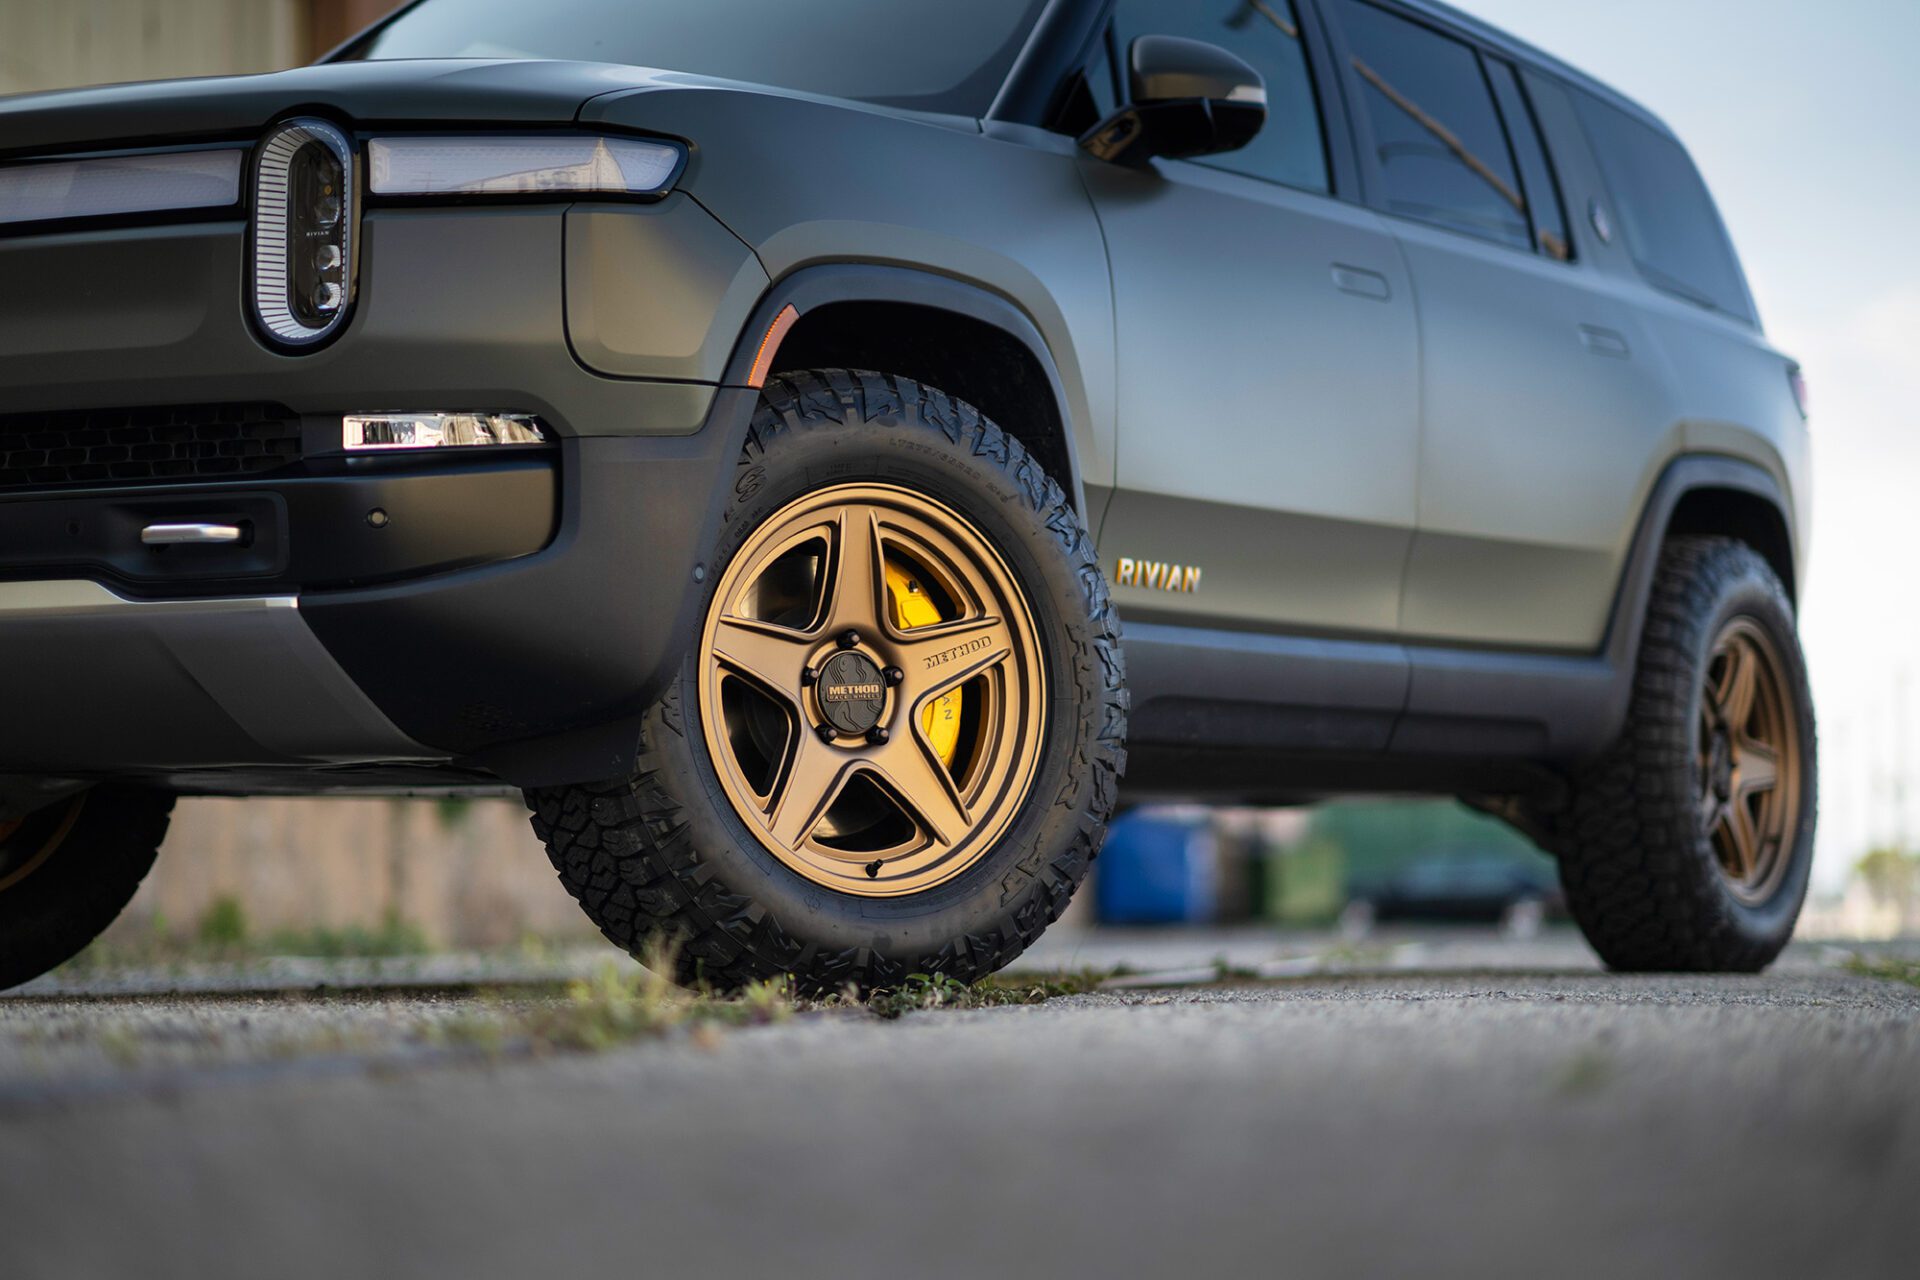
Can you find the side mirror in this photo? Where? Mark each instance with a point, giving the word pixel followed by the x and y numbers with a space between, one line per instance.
pixel 1186 98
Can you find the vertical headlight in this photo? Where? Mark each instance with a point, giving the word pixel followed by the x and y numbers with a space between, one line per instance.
pixel 303 232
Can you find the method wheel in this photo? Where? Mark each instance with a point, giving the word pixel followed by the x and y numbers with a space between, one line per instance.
pixel 895 746
pixel 1688 845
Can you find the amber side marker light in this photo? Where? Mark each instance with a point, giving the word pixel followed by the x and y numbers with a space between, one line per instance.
pixel 770 346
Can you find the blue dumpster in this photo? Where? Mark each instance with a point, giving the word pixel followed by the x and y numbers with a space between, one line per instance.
pixel 1157 870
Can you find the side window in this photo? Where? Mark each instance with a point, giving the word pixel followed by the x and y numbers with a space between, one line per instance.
pixel 1542 188
pixel 1672 229
pixel 1266 33
pixel 1442 155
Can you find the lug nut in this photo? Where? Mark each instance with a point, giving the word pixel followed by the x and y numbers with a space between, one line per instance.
pixel 893 675
pixel 848 639
pixel 828 733
pixel 877 735
pixel 807 676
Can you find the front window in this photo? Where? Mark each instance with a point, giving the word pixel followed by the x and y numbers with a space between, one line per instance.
pixel 921 55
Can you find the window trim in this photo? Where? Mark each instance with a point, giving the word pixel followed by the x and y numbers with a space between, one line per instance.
pixel 1556 192
pixel 1059 48
pixel 1366 146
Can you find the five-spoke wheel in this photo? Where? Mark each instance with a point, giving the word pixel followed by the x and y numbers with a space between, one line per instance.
pixel 872 689
pixel 1748 762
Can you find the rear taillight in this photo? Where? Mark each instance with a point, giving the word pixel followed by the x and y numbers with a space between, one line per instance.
pixel 1798 381
pixel 303 232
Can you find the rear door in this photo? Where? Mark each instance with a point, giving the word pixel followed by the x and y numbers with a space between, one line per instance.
pixel 1267 353
pixel 1542 423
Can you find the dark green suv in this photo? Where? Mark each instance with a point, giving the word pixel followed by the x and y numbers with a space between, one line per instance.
pixel 742 426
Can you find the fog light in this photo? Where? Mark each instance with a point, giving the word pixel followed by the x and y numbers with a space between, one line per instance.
pixel 439 430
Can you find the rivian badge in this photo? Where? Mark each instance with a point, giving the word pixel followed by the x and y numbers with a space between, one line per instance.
pixel 1155 576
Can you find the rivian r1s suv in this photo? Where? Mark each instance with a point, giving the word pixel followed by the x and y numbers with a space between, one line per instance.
pixel 828 456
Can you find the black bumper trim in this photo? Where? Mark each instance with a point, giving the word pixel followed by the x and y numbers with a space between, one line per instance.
pixel 305 531
pixel 538 669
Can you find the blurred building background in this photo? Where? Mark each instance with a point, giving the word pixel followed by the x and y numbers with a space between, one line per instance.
pixel 471 873
pixel 51 44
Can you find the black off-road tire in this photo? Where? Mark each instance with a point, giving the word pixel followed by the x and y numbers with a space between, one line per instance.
pixel 1640 874
pixel 663 857
pixel 69 870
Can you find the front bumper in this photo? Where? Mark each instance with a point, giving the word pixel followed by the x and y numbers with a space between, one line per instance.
pixel 100 681
pixel 533 669
pixel 511 616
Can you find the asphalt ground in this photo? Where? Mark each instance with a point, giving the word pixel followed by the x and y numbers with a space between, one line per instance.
pixel 1430 1104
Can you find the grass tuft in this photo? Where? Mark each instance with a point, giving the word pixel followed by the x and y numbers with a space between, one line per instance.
pixel 1886 968
pixel 923 991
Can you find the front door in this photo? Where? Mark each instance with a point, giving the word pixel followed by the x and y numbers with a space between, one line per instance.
pixel 1268 395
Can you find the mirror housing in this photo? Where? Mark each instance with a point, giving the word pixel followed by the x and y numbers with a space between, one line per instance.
pixel 1186 98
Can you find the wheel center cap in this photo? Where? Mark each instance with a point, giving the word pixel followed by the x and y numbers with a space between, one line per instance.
pixel 851 692
pixel 1720 767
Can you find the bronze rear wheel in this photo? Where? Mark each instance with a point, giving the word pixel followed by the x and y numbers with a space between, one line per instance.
pixel 872 690
pixel 1688 844
pixel 1749 760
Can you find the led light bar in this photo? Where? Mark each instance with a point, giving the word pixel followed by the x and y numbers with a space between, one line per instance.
pixel 521 166
pixel 102 186
pixel 438 430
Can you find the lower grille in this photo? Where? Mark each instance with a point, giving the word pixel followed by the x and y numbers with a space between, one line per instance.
pixel 145 446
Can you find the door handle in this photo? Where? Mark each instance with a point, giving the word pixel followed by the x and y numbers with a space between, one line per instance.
pixel 1361 283
pixel 170 535
pixel 1605 342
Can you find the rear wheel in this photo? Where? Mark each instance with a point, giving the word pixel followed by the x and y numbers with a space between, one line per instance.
pixel 895 747
pixel 66 871
pixel 1688 845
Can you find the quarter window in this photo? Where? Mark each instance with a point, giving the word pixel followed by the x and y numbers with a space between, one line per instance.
pixel 1289 148
pixel 1672 229
pixel 1441 153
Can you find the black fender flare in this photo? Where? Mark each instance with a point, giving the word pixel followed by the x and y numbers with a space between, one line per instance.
pixel 812 287
pixel 1686 474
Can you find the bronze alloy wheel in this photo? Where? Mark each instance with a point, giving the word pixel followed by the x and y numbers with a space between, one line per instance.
pixel 1749 761
pixel 872 689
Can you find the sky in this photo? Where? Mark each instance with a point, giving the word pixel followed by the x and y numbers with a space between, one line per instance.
pixel 1801 116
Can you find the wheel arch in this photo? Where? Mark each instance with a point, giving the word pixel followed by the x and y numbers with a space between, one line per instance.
pixel 1753 517
pixel 1695 494
pixel 951 334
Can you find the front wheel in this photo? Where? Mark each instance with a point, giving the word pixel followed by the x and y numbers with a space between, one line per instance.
pixel 896 745
pixel 67 870
pixel 1688 845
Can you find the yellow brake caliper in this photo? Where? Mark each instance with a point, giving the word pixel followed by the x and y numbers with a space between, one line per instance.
pixel 912 608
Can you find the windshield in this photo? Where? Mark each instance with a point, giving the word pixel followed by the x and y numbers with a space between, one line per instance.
pixel 947 56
